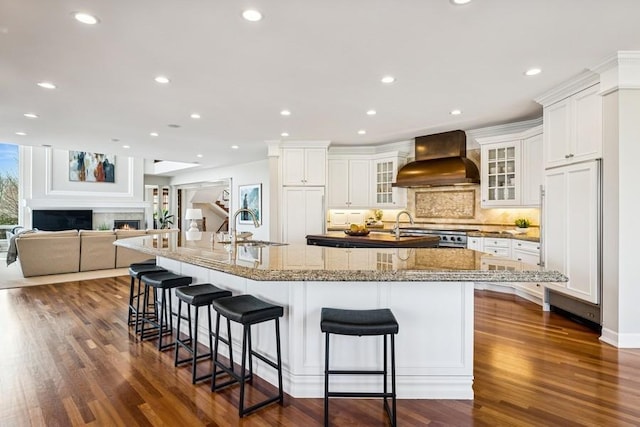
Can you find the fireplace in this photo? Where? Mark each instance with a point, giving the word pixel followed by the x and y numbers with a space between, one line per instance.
pixel 126 224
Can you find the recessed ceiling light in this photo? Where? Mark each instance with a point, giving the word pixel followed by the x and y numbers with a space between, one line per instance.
pixel 460 2
pixel 532 71
pixel 195 116
pixel 47 85
pixel 285 113
pixel 21 133
pixel 31 115
pixel 252 15
pixel 126 146
pixel 362 132
pixel 154 134
pixel 199 156
pixel 85 18
pixel 115 140
pixel 388 79
pixel 173 125
pixel 371 113
pixel 284 134
pixel 455 112
pixel 235 147
pixel 162 79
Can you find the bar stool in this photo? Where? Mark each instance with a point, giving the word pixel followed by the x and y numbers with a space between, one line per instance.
pixel 359 323
pixel 247 310
pixel 197 296
pixel 136 271
pixel 161 321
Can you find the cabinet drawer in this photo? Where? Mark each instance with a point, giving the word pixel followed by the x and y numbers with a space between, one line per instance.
pixel 532 288
pixel 503 252
pixel 524 245
pixel 491 243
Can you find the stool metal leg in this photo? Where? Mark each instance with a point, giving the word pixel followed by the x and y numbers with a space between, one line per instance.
pixel 326 379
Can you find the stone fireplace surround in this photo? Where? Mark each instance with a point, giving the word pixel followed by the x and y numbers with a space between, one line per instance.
pixel 105 220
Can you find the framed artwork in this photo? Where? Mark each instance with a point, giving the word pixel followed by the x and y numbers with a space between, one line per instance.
pixel 250 198
pixel 91 167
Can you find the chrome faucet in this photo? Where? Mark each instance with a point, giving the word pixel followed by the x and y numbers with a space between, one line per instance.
pixel 398 221
pixel 232 230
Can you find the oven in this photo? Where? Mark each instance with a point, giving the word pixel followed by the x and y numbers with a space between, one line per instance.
pixel 448 238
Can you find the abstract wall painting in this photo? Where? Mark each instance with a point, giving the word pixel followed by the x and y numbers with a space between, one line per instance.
pixel 91 167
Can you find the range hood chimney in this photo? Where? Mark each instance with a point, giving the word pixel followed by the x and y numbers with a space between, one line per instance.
pixel 440 160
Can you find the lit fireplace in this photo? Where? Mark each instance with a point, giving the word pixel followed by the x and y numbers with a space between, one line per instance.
pixel 126 224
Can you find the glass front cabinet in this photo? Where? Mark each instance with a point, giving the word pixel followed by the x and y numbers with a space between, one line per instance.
pixel 501 174
pixel 385 170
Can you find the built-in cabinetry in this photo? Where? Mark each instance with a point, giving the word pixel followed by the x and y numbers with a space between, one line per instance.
pixel 303 212
pixel 304 166
pixel 365 181
pixel 573 128
pixel 507 252
pixel 511 169
pixel 571 228
pixel 571 213
pixel 349 186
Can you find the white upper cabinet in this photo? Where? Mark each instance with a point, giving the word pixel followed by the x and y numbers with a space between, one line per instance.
pixel 384 170
pixel 573 128
pixel 349 183
pixel 304 166
pixel 511 169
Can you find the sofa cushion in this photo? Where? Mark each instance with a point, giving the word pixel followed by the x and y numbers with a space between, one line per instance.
pixel 97 251
pixel 49 234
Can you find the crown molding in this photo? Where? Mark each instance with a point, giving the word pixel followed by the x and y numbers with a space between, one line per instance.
pixel 619 71
pixel 582 81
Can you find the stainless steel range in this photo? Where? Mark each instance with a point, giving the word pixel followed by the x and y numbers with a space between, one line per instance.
pixel 448 238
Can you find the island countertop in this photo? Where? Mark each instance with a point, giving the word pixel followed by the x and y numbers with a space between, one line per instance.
pixel 372 240
pixel 300 262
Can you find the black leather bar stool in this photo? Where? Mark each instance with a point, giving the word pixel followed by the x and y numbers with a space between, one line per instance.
pixel 197 296
pixel 359 323
pixel 246 310
pixel 136 271
pixel 161 320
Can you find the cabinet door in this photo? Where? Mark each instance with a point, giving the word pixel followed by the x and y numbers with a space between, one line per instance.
pixel 474 243
pixel 571 226
pixel 303 213
pixel 338 196
pixel 557 133
pixel 384 194
pixel 532 169
pixel 315 166
pixel 293 163
pixel 530 258
pixel 587 138
pixel 500 185
pixel 359 183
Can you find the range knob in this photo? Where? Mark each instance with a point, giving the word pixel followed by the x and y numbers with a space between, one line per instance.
pixel 444 238
pixel 459 239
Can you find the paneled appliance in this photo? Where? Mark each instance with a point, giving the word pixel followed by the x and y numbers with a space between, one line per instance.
pixel 571 232
pixel 448 238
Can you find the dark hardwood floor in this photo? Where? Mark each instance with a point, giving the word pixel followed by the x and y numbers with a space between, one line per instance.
pixel 68 358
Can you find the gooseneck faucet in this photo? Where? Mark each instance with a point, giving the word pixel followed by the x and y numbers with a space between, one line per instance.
pixel 398 221
pixel 252 214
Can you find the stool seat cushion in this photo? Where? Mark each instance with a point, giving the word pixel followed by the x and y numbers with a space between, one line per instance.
pixel 358 322
pixel 150 261
pixel 166 280
pixel 247 309
pixel 201 294
pixel 137 270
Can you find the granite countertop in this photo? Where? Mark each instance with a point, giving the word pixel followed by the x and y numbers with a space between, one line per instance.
pixel 530 236
pixel 300 262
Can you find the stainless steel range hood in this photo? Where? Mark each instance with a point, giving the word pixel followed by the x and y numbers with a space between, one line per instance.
pixel 440 160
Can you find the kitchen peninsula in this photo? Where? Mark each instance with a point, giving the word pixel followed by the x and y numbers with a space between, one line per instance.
pixel 429 290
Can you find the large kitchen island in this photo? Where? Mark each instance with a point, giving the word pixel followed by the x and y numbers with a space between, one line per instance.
pixel 430 291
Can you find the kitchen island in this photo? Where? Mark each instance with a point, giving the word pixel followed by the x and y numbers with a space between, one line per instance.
pixel 430 291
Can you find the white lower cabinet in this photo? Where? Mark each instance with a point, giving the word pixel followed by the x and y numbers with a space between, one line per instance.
pixel 303 213
pixel 508 254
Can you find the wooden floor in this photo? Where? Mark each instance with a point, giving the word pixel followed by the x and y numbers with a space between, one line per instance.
pixel 68 358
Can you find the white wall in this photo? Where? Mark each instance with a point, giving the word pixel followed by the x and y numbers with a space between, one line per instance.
pixel 247 173
pixel 45 184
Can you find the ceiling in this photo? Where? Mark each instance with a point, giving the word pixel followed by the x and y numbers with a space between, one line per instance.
pixel 320 59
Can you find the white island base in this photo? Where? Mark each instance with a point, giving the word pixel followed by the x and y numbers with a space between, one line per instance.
pixel 434 346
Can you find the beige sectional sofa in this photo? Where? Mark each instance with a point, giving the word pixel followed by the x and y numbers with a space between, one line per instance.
pixel 54 252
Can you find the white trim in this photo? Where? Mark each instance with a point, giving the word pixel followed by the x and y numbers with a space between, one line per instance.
pixel 582 81
pixel 507 128
pixel 620 340
pixel 620 71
